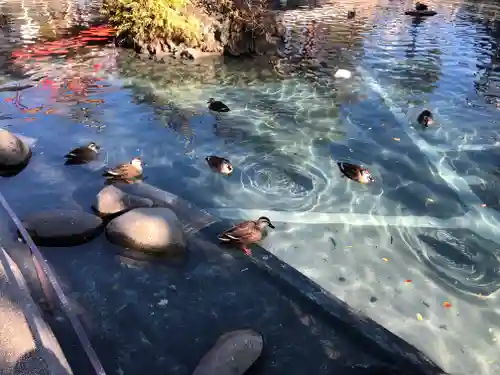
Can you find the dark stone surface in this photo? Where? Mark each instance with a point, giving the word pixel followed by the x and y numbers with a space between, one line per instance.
pixel 62 227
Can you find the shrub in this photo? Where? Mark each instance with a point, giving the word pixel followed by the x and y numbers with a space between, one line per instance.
pixel 149 20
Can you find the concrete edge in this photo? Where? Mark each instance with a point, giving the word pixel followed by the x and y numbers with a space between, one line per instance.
pixel 43 336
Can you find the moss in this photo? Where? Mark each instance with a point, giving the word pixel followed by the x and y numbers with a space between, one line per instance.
pixel 150 20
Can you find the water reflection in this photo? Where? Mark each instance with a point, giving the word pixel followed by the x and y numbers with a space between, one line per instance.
pixel 291 121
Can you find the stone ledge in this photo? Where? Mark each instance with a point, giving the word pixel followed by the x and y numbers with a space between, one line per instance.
pixel 28 345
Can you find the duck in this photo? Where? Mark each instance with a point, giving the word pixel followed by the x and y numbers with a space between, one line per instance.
pixel 351 14
pixel 421 7
pixel 425 118
pixel 82 154
pixel 218 164
pixel 217 106
pixel 356 173
pixel 127 172
pixel 246 233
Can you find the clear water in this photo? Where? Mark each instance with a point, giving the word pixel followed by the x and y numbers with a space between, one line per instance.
pixel 431 216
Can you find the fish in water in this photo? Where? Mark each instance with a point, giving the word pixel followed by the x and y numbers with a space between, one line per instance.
pixel 83 154
pixel 126 172
pixel 217 106
pixel 246 233
pixel 356 173
pixel 425 118
pixel 220 165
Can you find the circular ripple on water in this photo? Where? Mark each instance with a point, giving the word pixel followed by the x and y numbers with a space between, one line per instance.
pixel 461 259
pixel 280 183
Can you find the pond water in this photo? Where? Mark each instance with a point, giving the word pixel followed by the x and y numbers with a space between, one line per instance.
pixel 416 250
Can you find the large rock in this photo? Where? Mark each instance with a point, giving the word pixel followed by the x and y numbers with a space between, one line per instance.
pixel 113 201
pixel 233 354
pixel 62 227
pixel 14 154
pixel 152 230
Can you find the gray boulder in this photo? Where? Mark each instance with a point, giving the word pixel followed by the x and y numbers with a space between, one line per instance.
pixel 62 227
pixel 113 201
pixel 151 230
pixel 232 354
pixel 14 154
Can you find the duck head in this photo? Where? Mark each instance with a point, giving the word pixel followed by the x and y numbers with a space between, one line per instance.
pixel 211 100
pixel 226 167
pixel 425 118
pixel 365 176
pixel 263 222
pixel 93 146
pixel 137 163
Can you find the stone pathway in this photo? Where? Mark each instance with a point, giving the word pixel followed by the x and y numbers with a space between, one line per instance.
pixel 27 344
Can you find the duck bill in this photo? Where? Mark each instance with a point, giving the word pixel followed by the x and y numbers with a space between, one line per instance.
pixel 429 121
pixel 271 226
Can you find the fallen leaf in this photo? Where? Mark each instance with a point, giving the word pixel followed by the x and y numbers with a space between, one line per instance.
pixel 408 281
pixel 446 305
pixel 396 139
pixel 419 316
pixel 385 259
pixel 429 200
pixel 484 205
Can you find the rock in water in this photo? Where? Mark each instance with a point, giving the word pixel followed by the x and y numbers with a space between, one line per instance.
pixel 14 154
pixel 151 230
pixel 113 201
pixel 343 73
pixel 233 354
pixel 62 227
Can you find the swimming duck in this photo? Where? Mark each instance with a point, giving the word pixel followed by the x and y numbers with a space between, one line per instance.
pixel 217 106
pixel 356 173
pixel 425 118
pixel 127 172
pixel 218 164
pixel 351 14
pixel 246 233
pixel 421 7
pixel 83 154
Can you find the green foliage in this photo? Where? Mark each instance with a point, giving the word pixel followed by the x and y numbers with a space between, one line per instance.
pixel 151 20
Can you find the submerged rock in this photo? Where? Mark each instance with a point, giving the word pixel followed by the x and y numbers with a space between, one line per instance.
pixel 113 201
pixel 14 154
pixel 62 227
pixel 151 230
pixel 233 354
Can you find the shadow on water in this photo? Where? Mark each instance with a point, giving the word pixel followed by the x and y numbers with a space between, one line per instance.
pixel 188 306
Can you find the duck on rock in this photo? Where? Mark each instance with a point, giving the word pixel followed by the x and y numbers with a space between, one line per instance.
pixel 220 165
pixel 356 173
pixel 83 154
pixel 126 172
pixel 425 118
pixel 217 106
pixel 246 233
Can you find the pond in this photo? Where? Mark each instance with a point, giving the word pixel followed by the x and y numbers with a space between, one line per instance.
pixel 416 250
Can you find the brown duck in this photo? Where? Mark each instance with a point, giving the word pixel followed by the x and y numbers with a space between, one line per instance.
pixel 127 172
pixel 218 164
pixel 246 233
pixel 356 173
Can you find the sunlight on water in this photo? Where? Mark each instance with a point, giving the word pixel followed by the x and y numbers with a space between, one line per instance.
pixel 417 250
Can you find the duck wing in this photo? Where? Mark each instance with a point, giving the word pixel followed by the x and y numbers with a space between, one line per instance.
pixel 123 171
pixel 79 151
pixel 349 170
pixel 245 232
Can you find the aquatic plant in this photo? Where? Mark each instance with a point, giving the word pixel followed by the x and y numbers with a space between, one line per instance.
pixel 147 21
